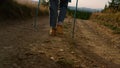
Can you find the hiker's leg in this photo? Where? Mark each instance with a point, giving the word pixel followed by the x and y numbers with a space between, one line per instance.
pixel 53 12
pixel 63 10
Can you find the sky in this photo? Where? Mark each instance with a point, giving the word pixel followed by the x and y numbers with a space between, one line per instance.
pixel 95 4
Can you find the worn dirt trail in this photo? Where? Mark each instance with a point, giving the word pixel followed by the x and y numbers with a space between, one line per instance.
pixel 99 43
pixel 94 46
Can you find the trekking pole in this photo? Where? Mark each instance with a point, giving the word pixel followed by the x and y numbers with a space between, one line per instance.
pixel 35 22
pixel 73 33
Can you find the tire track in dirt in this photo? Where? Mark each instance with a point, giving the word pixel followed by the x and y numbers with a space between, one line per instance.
pixel 95 42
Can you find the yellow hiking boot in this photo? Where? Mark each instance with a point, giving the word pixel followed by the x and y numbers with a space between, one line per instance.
pixel 52 31
pixel 59 29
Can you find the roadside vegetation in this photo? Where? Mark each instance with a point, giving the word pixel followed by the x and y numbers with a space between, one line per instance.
pixel 110 16
pixel 10 9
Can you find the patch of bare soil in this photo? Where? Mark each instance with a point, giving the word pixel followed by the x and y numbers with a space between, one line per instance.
pixel 21 46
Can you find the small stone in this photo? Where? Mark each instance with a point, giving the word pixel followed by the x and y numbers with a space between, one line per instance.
pixel 61 50
pixel 72 52
pixel 42 44
pixel 41 52
pixel 31 45
pixel 52 58
pixel 47 41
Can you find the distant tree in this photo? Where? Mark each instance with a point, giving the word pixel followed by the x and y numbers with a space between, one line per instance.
pixel 105 8
pixel 114 5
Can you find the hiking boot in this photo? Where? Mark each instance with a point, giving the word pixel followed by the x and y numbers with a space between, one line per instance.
pixel 52 31
pixel 59 29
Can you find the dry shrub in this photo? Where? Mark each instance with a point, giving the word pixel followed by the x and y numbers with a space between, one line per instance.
pixel 21 9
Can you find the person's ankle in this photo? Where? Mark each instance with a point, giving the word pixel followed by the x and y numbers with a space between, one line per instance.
pixel 52 31
pixel 59 23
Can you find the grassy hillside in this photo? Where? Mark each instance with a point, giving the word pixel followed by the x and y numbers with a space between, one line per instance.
pixel 10 9
pixel 111 20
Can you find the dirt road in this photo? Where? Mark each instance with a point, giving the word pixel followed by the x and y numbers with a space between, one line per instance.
pixel 94 46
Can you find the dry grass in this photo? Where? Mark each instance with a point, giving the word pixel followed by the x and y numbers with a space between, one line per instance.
pixel 30 3
pixel 111 20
